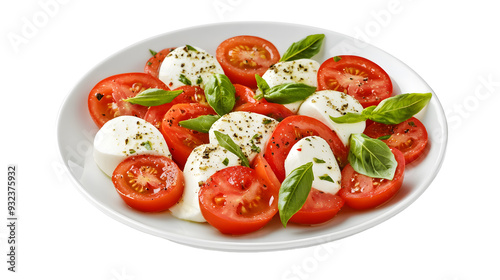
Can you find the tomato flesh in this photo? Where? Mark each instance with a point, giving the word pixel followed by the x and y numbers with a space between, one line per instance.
pixel 319 207
pixel 180 140
pixel 106 99
pixel 153 64
pixel 190 94
pixel 272 110
pixel 357 76
pixel 362 192
pixel 289 131
pixel 235 200
pixel 242 57
pixel 148 183
pixel 410 137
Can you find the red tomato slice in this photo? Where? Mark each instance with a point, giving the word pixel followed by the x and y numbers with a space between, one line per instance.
pixel 242 57
pixel 105 100
pixel 190 94
pixel 410 137
pixel 272 110
pixel 148 183
pixel 362 192
pixel 180 140
pixel 153 64
pixel 357 76
pixel 264 171
pixel 289 131
pixel 319 207
pixel 237 201
pixel 245 95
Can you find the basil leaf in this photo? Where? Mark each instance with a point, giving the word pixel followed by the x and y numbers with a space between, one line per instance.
pixel 201 123
pixel 385 137
pixel 350 117
pixel 305 48
pixel 183 79
pixel 399 108
pixel 294 191
pixel 392 110
pixel 220 94
pixel 154 97
pixel 262 85
pixel 288 93
pixel 326 177
pixel 191 48
pixel 371 157
pixel 228 143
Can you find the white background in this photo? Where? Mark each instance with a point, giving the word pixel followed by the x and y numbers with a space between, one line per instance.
pixel 450 233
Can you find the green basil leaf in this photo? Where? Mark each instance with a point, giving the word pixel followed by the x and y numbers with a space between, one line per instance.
pixel 399 108
pixel 201 123
pixel 393 110
pixel 183 79
pixel 147 145
pixel 288 93
pixel 294 191
pixel 153 53
pixel 228 143
pixel 220 94
pixel 262 85
pixel 350 117
pixel 385 137
pixel 191 48
pixel 371 157
pixel 326 177
pixel 305 48
pixel 154 97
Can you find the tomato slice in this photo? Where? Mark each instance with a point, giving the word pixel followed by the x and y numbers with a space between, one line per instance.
pixel 410 137
pixel 105 100
pixel 148 183
pixel 153 64
pixel 272 110
pixel 319 207
pixel 242 57
pixel 362 192
pixel 190 94
pixel 289 131
pixel 235 200
pixel 245 95
pixel 359 77
pixel 264 171
pixel 181 141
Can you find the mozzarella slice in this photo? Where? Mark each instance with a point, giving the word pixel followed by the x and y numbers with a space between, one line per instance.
pixel 188 63
pixel 202 163
pixel 297 71
pixel 126 136
pixel 325 168
pixel 323 104
pixel 250 131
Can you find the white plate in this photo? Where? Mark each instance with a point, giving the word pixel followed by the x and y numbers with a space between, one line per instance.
pixel 76 131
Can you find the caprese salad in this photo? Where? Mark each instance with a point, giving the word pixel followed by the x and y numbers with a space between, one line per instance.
pixel 238 137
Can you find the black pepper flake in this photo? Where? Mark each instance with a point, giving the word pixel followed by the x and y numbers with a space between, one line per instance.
pixel 99 96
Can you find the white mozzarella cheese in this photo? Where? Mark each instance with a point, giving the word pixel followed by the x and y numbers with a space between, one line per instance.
pixel 250 131
pixel 323 104
pixel 126 136
pixel 202 163
pixel 326 171
pixel 195 64
pixel 297 71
